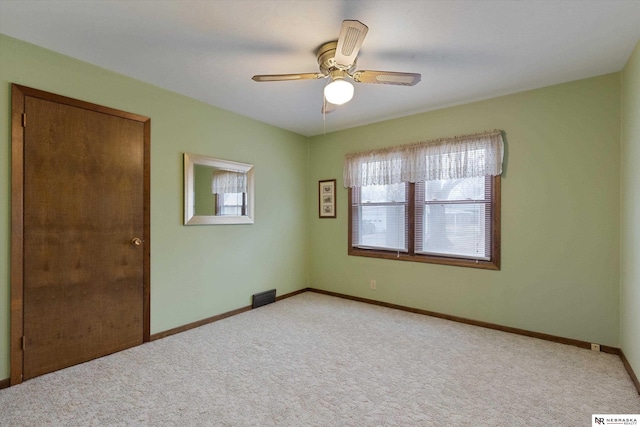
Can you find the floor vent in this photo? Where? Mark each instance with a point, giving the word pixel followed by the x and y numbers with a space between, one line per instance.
pixel 264 298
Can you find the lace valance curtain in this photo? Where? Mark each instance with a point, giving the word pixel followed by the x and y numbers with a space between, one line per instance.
pixel 443 159
pixel 225 181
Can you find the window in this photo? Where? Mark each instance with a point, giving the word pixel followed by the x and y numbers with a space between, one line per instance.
pixel 230 188
pixel 381 216
pixel 231 204
pixel 452 220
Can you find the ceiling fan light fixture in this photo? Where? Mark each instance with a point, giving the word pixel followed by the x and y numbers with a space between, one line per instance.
pixel 338 92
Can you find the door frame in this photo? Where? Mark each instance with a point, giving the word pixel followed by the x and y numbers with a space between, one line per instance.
pixel 18 95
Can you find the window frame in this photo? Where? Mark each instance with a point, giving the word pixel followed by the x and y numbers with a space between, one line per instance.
pixel 492 264
pixel 220 204
pixel 405 203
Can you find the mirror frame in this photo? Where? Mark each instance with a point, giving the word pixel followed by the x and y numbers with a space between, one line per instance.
pixel 189 190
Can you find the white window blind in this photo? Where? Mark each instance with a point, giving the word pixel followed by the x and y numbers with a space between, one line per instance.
pixel 453 218
pixel 381 213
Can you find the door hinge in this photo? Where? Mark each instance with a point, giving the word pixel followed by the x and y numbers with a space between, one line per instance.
pixel 24 342
pixel 24 120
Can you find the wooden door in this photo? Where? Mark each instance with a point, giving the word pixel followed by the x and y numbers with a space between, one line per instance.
pixel 84 233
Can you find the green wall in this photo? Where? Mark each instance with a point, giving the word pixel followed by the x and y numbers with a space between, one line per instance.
pixel 204 199
pixel 630 212
pixel 560 215
pixel 196 271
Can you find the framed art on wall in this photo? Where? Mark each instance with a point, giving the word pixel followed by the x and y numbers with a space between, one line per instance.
pixel 327 198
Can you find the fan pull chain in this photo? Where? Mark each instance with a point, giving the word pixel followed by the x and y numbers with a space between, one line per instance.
pixel 324 116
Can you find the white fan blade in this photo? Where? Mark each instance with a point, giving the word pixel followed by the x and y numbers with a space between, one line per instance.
pixel 287 77
pixel 352 34
pixel 386 77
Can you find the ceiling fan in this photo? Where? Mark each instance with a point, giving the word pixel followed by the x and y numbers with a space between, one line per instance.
pixel 337 61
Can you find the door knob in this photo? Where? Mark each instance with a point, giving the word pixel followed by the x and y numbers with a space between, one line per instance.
pixel 136 241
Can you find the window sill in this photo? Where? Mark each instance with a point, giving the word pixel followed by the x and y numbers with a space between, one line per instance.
pixel 458 262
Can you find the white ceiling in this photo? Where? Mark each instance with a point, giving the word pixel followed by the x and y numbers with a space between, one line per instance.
pixel 208 50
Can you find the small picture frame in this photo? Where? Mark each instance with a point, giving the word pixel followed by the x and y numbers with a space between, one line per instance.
pixel 327 198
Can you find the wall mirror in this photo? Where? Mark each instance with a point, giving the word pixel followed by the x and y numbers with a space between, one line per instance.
pixel 217 191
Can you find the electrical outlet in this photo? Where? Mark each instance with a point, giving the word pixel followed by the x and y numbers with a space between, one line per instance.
pixel 595 347
pixel 373 284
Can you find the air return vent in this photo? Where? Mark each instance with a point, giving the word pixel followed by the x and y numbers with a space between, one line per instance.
pixel 264 298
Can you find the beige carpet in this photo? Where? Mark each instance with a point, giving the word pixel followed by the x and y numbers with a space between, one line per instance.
pixel 314 360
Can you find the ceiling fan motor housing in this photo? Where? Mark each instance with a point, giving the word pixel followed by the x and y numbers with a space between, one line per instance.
pixel 326 59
